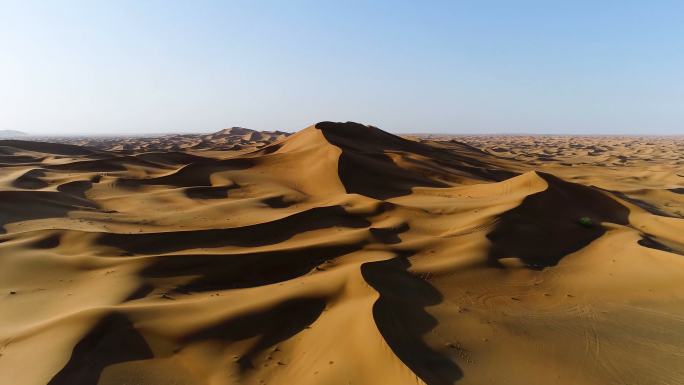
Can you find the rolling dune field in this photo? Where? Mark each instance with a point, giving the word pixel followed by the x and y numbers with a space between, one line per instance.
pixel 340 255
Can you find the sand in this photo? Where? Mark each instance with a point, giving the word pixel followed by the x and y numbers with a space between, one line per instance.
pixel 234 139
pixel 342 254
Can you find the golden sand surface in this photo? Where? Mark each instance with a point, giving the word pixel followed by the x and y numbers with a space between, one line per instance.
pixel 342 254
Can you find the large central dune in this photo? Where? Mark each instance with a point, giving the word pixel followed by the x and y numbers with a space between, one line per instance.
pixel 340 255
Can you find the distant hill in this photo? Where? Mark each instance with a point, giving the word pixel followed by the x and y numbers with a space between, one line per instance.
pixel 11 133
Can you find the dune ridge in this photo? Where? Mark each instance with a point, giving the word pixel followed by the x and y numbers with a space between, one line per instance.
pixel 341 254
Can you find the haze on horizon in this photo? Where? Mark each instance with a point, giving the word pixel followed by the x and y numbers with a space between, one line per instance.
pixel 585 67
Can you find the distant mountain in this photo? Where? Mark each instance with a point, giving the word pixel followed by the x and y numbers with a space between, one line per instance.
pixel 11 133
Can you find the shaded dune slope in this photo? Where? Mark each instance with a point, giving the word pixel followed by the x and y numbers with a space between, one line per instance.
pixel 366 166
pixel 541 237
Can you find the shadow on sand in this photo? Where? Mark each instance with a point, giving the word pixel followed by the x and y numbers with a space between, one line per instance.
pixel 262 234
pixel 113 340
pixel 272 326
pixel 401 318
pixel 545 227
pixel 365 168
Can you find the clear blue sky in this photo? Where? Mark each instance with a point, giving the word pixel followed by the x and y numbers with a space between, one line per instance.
pixel 473 66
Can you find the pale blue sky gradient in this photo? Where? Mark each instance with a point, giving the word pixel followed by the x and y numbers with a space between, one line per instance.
pixel 478 66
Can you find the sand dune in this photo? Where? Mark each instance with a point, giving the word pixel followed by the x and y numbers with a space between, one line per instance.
pixel 341 254
pixel 228 139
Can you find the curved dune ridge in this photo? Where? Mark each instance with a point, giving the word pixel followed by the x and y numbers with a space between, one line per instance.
pixel 341 254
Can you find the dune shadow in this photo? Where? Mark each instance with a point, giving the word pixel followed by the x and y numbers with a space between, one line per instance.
pixel 232 271
pixel 76 188
pixel 255 235
pixel 365 168
pixel 546 226
pixel 277 202
pixel 172 158
pixel 222 272
pixel 209 192
pixel 400 316
pixel 389 235
pixel 652 209
pixel 196 174
pixel 272 326
pixel 112 340
pixel 49 242
pixel 31 180
pixel 17 206
pixel 141 291
pixel 377 176
pixel 649 241
pixel 13 160
pixel 50 148
pixel 111 164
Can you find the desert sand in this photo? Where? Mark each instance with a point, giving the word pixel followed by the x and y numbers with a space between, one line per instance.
pixel 236 139
pixel 342 254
